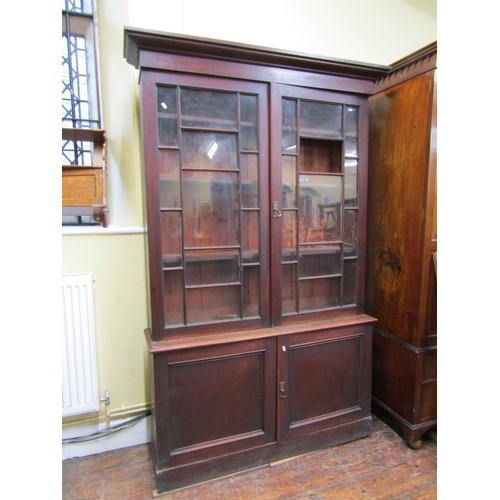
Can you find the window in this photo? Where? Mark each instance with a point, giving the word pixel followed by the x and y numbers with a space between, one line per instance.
pixel 83 140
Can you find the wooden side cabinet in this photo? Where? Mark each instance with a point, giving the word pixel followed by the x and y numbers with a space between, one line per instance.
pixel 255 166
pixel 402 244
pixel 84 186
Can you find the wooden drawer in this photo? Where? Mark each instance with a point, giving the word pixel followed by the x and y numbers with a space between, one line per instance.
pixel 429 366
pixel 428 403
pixel 82 186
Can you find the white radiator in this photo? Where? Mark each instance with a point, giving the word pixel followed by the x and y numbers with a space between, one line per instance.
pixel 79 368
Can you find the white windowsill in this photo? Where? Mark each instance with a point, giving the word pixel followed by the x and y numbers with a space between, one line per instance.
pixel 88 230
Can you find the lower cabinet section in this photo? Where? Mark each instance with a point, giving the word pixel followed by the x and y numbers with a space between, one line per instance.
pixel 224 408
pixel 213 401
pixel 405 386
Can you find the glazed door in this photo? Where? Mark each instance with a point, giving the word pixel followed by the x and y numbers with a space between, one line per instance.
pixel 317 195
pixel 207 183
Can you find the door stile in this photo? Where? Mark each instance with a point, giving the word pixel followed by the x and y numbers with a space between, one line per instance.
pixel 275 221
pixel 282 388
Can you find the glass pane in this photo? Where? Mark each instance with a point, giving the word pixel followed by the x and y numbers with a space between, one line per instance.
pixel 350 251
pixel 207 108
pixel 319 207
pixel 249 180
pixel 350 281
pixel 289 122
pixel 170 189
pixel 289 288
pixel 213 303
pixel 248 111
pixel 351 132
pixel 209 150
pixel 79 91
pixel 171 239
pixel 319 293
pixel 350 229
pixel 173 303
pixel 211 214
pixel 351 121
pixel 321 156
pixel 250 235
pixel 167 116
pixel 289 235
pixel 319 260
pixel 80 6
pixel 351 183
pixel 209 267
pixel 289 182
pixel 351 147
pixel 77 153
pixel 251 287
pixel 320 119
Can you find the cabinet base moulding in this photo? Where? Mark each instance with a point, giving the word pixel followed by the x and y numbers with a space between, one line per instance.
pixel 411 433
pixel 174 478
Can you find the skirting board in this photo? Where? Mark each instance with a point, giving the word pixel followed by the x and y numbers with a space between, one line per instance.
pixel 139 433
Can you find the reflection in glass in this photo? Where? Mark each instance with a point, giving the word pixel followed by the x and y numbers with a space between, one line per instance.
pixel 211 208
pixel 350 251
pixel 173 293
pixel 209 150
pixel 250 235
pixel 249 181
pixel 248 112
pixel 251 287
pixel 289 288
pixel 170 193
pixel 208 109
pixel 351 147
pixel 350 183
pixel 209 267
pixel 171 239
pixel 351 121
pixel 319 293
pixel 167 116
pixel 351 228
pixel 320 119
pixel 289 182
pixel 289 122
pixel 319 260
pixel 349 281
pixel 319 208
pixel 289 234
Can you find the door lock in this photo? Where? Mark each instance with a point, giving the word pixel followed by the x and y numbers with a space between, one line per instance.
pixel 276 210
pixel 282 392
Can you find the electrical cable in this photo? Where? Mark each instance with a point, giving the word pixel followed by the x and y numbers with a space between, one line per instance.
pixel 106 432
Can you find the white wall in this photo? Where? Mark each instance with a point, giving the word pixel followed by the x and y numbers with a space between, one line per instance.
pixel 372 31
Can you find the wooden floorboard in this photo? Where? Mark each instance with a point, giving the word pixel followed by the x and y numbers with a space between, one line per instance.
pixel 378 467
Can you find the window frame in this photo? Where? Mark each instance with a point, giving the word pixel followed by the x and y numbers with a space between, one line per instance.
pixel 83 138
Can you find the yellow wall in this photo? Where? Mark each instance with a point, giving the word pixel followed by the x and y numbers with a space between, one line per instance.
pixel 118 265
pixel 372 31
pixel 378 32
